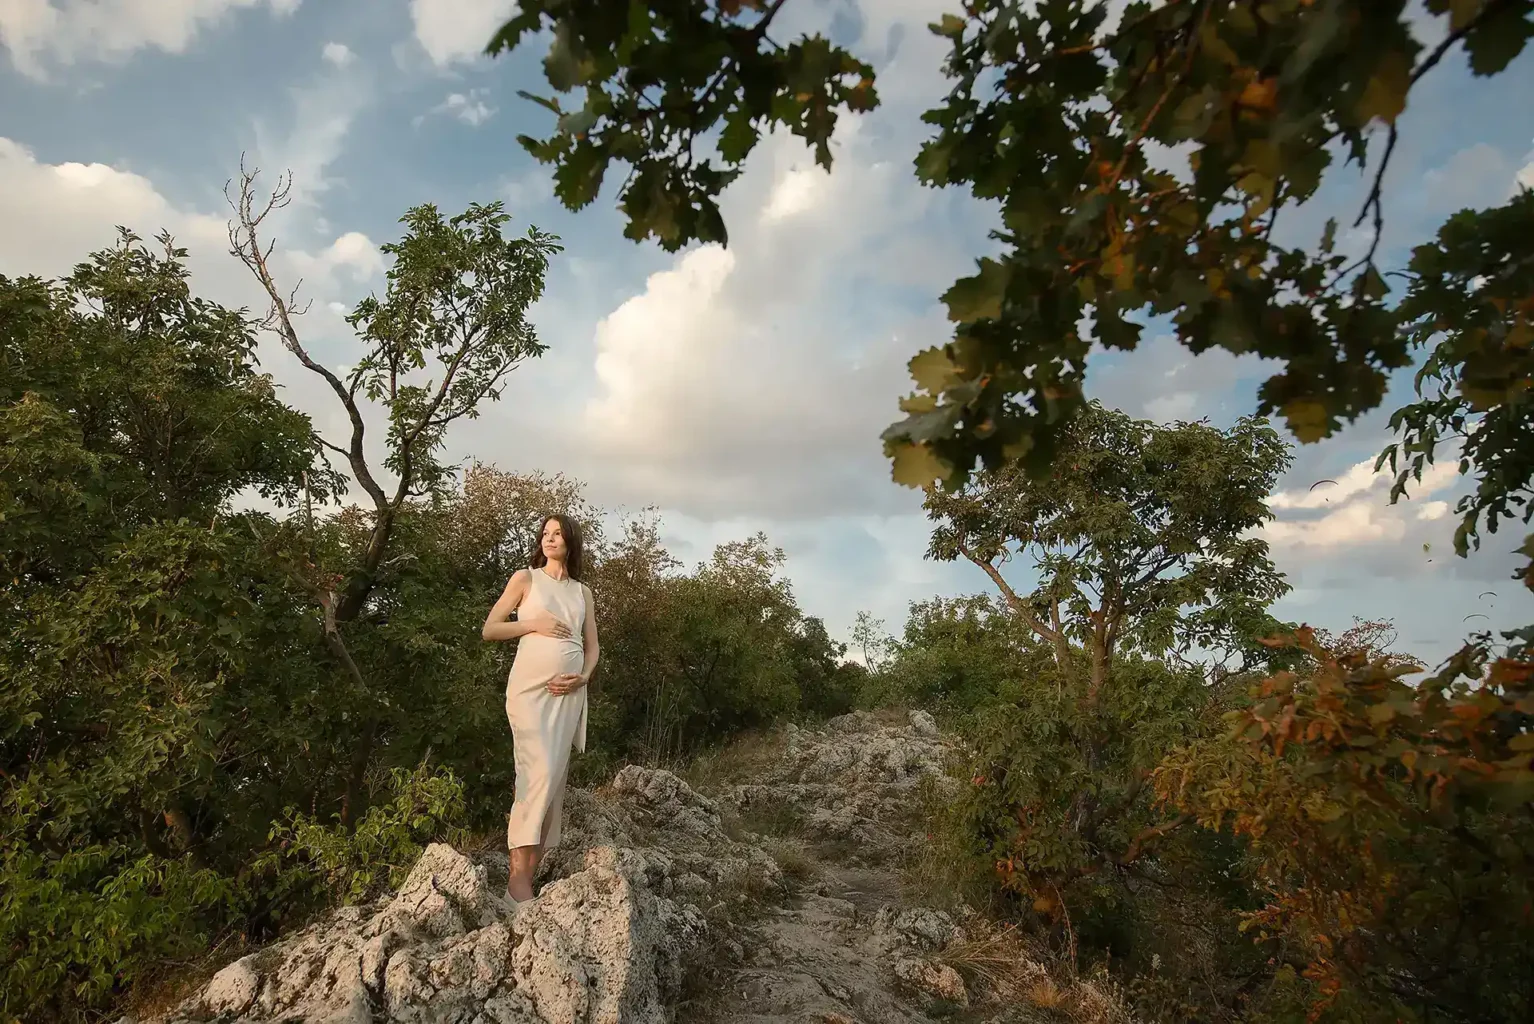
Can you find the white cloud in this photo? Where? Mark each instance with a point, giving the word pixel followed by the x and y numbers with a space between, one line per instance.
pixel 338 54
pixel 353 252
pixel 54 214
pixel 37 32
pixel 457 30
pixel 1179 405
pixel 1358 507
pixel 1433 510
pixel 324 110
pixel 796 192
pixel 470 107
pixel 1525 176
pixel 755 380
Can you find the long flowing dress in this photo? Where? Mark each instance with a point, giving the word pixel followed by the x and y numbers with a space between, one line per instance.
pixel 544 726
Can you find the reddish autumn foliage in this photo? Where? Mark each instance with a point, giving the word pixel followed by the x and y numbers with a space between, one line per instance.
pixel 1388 823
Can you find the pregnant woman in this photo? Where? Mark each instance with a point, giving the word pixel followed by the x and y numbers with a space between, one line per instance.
pixel 556 630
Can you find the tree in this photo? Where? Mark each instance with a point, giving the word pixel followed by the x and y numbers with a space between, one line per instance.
pixel 1141 536
pixel 1142 540
pixel 498 515
pixel 458 295
pixel 1471 296
pixel 957 656
pixel 143 634
pixel 1053 113
pixel 870 640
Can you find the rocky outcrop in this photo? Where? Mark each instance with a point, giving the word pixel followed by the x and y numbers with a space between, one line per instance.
pixel 597 946
pixel 640 900
pixel 852 782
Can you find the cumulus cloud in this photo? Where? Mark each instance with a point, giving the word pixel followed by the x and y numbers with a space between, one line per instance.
pixel 1359 478
pixel 64 32
pixel 754 380
pixel 1357 509
pixel 352 253
pixel 757 378
pixel 338 54
pixel 457 30
pixel 1525 176
pixel 56 213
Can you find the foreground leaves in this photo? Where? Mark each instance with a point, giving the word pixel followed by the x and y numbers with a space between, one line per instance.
pixel 1077 127
pixel 659 80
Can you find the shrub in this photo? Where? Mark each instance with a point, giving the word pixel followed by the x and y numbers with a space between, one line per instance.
pixel 354 866
pixel 1388 827
pixel 77 925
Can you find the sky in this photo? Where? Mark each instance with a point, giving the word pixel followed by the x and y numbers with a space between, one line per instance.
pixel 732 389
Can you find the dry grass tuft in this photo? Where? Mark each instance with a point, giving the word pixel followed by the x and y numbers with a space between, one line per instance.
pixel 791 856
pixel 1044 993
pixel 739 761
pixel 994 957
pixel 155 995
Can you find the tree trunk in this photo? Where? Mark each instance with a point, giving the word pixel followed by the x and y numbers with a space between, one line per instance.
pixel 180 825
pixel 352 799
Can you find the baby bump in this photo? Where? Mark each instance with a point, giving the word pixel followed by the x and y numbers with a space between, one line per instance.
pixel 540 658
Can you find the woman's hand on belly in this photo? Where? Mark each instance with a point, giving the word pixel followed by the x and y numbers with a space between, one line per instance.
pixel 543 623
pixel 566 682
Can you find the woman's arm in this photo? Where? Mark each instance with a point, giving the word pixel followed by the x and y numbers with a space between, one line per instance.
pixel 496 625
pixel 589 637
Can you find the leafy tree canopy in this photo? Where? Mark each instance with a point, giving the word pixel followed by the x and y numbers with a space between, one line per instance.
pixel 1055 114
pixel 1472 298
pixel 1141 535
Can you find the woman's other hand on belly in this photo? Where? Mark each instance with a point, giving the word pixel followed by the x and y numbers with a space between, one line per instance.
pixel 565 683
pixel 542 623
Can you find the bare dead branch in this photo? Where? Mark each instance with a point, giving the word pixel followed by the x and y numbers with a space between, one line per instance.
pixel 245 243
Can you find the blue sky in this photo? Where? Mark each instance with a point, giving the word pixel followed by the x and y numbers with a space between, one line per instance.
pixel 734 390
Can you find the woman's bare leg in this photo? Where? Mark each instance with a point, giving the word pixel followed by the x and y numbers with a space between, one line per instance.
pixel 524 862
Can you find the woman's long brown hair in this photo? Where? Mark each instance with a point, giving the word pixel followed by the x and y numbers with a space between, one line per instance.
pixel 573 547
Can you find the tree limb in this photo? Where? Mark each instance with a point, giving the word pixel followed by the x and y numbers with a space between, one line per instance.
pixel 1019 606
pixel 1138 844
pixel 245 244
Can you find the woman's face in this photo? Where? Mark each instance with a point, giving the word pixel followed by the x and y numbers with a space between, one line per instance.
pixel 554 541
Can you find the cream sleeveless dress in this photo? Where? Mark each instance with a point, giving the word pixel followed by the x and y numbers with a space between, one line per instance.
pixel 544 725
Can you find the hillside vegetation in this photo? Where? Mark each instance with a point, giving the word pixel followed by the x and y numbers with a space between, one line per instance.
pixel 218 723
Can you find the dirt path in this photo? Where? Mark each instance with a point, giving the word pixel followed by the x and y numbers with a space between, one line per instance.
pixel 842 948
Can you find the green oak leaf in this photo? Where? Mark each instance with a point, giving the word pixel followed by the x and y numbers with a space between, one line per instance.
pixel 978 297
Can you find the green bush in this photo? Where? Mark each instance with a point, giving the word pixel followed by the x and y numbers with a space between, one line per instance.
pixel 692 660
pixel 354 866
pixel 957 657
pixel 77 925
pixel 1057 795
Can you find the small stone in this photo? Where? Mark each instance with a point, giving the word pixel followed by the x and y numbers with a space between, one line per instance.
pixel 933 979
pixel 234 988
